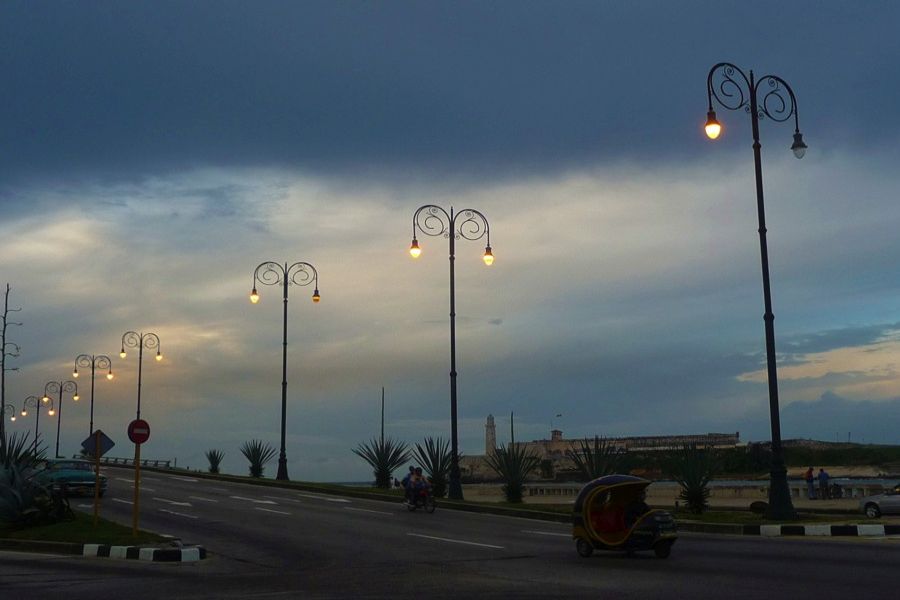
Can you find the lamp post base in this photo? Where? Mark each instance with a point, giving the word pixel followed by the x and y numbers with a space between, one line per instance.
pixel 781 508
pixel 282 469
pixel 454 490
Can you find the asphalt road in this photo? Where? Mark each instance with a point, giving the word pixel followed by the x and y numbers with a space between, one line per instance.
pixel 272 543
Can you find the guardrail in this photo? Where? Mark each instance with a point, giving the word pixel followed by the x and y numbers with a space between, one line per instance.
pixel 145 462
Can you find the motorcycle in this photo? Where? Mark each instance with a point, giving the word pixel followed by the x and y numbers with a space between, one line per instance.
pixel 422 498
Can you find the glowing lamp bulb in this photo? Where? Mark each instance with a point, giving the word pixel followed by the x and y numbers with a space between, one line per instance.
pixel 24 413
pixel 51 412
pixel 414 249
pixel 488 256
pixel 45 399
pixel 75 374
pixel 12 418
pixel 254 296
pixel 109 375
pixel 316 296
pixel 122 353
pixel 158 357
pixel 713 127
pixel 76 397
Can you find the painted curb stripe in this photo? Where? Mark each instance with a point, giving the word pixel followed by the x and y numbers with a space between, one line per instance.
pixel 146 553
pixel 191 554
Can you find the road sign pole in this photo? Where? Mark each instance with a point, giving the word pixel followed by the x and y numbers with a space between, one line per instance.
pixel 137 489
pixel 96 476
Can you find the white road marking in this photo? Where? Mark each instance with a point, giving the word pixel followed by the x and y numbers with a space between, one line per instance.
pixel 85 506
pixel 146 489
pixel 150 478
pixel 122 501
pixel 172 512
pixel 123 479
pixel 280 512
pixel 173 502
pixel 431 537
pixel 222 490
pixel 379 512
pixel 326 498
pixel 285 499
pixel 568 535
pixel 192 480
pixel 253 500
pixel 202 499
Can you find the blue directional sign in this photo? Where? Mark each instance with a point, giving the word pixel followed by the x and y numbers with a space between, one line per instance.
pixel 90 443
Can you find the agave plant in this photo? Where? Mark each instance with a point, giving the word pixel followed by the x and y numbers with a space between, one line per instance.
pixel 384 456
pixel 693 468
pixel 215 459
pixel 435 457
pixel 595 459
pixel 19 451
pixel 24 503
pixel 258 453
pixel 513 464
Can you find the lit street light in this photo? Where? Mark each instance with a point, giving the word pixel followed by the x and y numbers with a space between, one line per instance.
pixel 36 403
pixel 770 96
pixel 89 360
pixel 60 387
pixel 273 273
pixel 132 339
pixel 467 224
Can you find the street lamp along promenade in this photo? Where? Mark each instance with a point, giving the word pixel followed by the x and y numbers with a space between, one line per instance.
pixel 60 387
pixel 468 224
pixel 768 97
pixel 133 339
pixel 273 273
pixel 93 361
pixel 36 403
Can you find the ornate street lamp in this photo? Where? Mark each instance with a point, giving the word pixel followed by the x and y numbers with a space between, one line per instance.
pixel 132 339
pixel 467 224
pixel 93 361
pixel 9 409
pixel 59 387
pixel 768 97
pixel 273 273
pixel 36 403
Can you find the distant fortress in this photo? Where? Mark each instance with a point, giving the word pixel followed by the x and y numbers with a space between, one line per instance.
pixel 554 449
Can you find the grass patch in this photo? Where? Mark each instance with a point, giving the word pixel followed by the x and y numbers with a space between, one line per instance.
pixel 81 530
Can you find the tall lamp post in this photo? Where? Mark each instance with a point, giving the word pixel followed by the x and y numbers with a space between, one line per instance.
pixel 770 97
pixel 273 273
pixel 60 387
pixel 467 224
pixel 35 403
pixel 93 361
pixel 132 339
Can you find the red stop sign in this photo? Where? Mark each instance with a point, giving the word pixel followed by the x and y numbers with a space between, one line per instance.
pixel 139 431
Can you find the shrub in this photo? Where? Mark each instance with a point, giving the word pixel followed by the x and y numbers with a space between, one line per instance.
pixel 384 456
pixel 595 459
pixel 435 458
pixel 258 453
pixel 513 464
pixel 693 468
pixel 215 459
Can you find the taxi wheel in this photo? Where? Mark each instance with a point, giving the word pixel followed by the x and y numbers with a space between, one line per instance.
pixel 662 550
pixel 584 547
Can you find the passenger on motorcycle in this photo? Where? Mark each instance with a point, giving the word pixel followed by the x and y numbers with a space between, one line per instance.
pixel 407 483
pixel 418 484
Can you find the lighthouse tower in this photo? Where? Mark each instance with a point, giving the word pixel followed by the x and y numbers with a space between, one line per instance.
pixel 490 435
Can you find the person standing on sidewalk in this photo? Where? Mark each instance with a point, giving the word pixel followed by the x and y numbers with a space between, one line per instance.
pixel 823 484
pixel 810 488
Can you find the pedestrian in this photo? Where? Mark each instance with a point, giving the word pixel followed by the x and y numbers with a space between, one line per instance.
pixel 810 488
pixel 823 484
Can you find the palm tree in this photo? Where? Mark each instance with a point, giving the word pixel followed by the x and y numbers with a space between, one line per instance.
pixel 597 459
pixel 693 468
pixel 215 459
pixel 435 458
pixel 258 453
pixel 384 456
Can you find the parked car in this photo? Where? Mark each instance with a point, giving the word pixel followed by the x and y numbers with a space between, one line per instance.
pixel 72 477
pixel 881 504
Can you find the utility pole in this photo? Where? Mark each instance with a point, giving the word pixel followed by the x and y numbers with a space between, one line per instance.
pixel 7 349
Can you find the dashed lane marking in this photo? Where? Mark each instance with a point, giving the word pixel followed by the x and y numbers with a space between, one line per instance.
pixel 122 501
pixel 294 500
pixel 567 535
pixel 202 499
pixel 378 512
pixel 452 541
pixel 280 512
pixel 172 512
pixel 326 498
pixel 253 500
pixel 173 502
pixel 191 479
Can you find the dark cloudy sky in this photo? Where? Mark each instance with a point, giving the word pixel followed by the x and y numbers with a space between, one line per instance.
pixel 153 153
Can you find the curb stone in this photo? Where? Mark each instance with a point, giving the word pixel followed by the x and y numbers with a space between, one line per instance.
pixel 822 530
pixel 186 554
